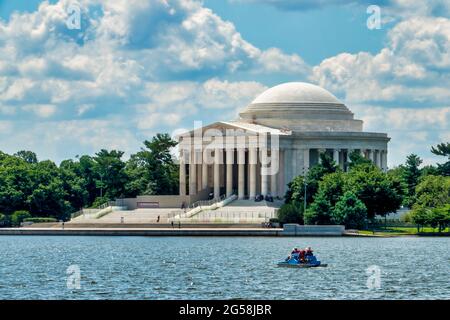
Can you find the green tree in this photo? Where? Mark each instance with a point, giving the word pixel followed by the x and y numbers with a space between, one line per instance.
pixel 421 216
pixel 111 177
pixel 443 149
pixel 296 188
pixel 27 156
pixel 74 184
pixel 433 192
pixel 291 213
pixel 432 202
pixel 47 195
pixel 153 169
pixel 319 212
pixel 18 216
pixel 380 192
pixel 350 211
pixel 4 220
pixel 411 175
pixel 357 159
pixel 440 217
pixel 15 183
pixel 331 187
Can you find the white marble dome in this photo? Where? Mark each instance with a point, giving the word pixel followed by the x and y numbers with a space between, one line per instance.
pixel 300 106
pixel 296 92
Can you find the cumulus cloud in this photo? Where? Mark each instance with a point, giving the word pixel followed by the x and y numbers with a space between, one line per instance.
pixel 393 8
pixel 402 90
pixel 413 68
pixel 154 64
pixel 138 67
pixel 412 130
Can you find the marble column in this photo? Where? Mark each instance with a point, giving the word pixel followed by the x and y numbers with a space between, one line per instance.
pixel 193 173
pixel 336 156
pixel 217 157
pixel 371 155
pixel 305 161
pixel 199 176
pixel 204 174
pixel 341 160
pixel 288 175
pixel 384 161
pixel 377 158
pixel 182 174
pixel 281 181
pixel 241 173
pixel 275 165
pixel 264 171
pixel 363 153
pixel 229 163
pixel 253 158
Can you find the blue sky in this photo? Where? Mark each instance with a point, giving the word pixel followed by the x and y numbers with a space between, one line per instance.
pixel 140 67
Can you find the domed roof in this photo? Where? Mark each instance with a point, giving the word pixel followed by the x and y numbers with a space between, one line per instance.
pixel 298 105
pixel 296 92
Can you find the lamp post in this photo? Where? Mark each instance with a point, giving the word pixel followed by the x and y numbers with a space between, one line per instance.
pixel 304 199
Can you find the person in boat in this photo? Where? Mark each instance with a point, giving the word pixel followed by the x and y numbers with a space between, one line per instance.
pixel 309 256
pixel 301 256
pixel 293 255
pixel 308 252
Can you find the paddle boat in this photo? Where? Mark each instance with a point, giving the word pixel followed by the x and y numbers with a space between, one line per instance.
pixel 294 261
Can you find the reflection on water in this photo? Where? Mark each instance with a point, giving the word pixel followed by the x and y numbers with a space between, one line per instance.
pixel 34 267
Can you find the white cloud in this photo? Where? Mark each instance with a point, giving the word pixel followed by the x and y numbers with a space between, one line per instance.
pixel 41 110
pixel 414 67
pixel 145 66
pixel 411 130
pixel 390 8
pixel 131 48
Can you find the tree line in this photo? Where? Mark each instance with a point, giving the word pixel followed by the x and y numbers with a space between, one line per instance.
pixel 40 190
pixel 32 188
pixel 357 197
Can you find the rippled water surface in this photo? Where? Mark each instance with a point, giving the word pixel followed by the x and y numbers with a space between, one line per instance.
pixel 35 267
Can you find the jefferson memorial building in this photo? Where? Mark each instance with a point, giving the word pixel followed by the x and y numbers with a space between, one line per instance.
pixel 277 137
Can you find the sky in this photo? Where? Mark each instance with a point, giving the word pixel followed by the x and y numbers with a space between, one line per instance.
pixel 134 68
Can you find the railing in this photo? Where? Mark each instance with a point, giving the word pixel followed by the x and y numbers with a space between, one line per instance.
pixel 107 204
pixel 183 213
pixel 76 214
pixel 91 211
pixel 230 217
pixel 204 203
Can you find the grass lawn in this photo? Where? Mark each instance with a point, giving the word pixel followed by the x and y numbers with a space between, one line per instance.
pixel 397 231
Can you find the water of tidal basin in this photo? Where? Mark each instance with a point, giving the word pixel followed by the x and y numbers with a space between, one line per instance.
pixel 34 267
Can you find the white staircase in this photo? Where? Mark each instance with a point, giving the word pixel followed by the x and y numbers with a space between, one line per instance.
pixel 138 216
pixel 237 211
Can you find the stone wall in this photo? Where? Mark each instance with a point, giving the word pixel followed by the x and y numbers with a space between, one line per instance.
pixel 292 229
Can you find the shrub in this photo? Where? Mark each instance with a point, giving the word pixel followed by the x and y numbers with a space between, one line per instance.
pixel 100 201
pixel 319 212
pixel 350 211
pixel 18 216
pixel 290 213
pixel 40 219
pixel 4 220
pixel 407 217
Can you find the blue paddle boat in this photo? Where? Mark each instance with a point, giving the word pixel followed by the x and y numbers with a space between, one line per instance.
pixel 294 261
